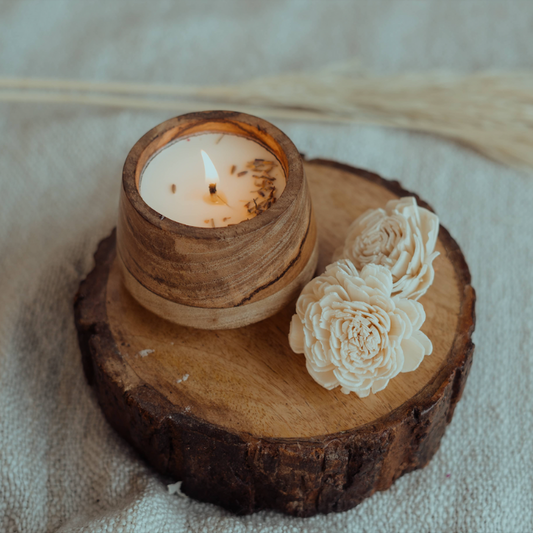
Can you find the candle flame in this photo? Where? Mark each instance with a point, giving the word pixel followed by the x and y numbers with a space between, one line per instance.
pixel 211 174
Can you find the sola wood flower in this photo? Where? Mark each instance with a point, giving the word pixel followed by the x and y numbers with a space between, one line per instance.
pixel 353 333
pixel 400 237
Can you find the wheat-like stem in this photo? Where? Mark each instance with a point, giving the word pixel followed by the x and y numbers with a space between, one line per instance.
pixel 490 112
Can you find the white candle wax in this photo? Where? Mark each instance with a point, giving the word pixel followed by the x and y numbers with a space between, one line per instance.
pixel 174 182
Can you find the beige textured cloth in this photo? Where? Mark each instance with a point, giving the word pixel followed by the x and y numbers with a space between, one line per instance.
pixel 62 468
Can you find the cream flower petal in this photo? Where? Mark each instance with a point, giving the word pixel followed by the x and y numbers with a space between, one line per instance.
pixel 325 378
pixel 355 293
pixel 414 310
pixel 379 385
pixel 296 335
pixel 320 356
pixel 376 278
pixel 429 226
pixel 363 393
pixel 400 204
pixel 408 331
pixel 397 328
pixel 342 267
pixel 333 297
pixel 423 339
pixel 402 264
pixel 413 353
pixel 382 302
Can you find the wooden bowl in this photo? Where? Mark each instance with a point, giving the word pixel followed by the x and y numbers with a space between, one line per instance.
pixel 216 278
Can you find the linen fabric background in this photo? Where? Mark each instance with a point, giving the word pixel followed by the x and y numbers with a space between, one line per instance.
pixel 62 468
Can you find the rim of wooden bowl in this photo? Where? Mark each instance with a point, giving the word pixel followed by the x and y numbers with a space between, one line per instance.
pixel 231 122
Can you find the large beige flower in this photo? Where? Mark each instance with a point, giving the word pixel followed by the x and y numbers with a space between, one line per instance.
pixel 400 237
pixel 353 333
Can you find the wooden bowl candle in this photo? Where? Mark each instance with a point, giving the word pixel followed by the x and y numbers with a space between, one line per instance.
pixel 215 277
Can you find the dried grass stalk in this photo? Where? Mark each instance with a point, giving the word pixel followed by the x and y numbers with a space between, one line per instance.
pixel 491 112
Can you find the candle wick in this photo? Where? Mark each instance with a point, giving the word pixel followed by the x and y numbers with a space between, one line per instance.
pixel 215 197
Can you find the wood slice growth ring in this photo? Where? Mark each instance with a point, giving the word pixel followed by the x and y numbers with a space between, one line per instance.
pixel 234 413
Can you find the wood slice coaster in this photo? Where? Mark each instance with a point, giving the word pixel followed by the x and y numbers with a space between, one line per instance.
pixel 234 413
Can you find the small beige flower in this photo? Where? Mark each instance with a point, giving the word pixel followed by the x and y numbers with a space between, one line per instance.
pixel 353 333
pixel 402 238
